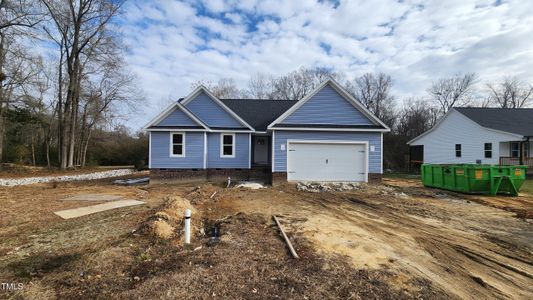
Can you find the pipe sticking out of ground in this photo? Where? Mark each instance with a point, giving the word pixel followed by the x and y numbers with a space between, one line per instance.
pixel 187 226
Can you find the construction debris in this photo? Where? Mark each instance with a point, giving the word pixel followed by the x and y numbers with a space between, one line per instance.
pixel 316 187
pixel 92 197
pixel 293 252
pixel 132 181
pixel 250 185
pixel 87 210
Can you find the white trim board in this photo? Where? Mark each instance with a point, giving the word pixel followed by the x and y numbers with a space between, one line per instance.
pixel 249 150
pixel 149 150
pixel 273 142
pixel 197 130
pixel 205 150
pixel 337 87
pixel 329 129
pixel 338 142
pixel 177 129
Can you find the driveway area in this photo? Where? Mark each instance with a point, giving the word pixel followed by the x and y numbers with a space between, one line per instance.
pixel 394 240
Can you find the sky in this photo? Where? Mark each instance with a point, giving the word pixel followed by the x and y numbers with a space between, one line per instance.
pixel 171 44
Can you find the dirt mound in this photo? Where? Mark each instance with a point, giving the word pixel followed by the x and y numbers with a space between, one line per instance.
pixel 167 222
pixel 202 193
pixel 252 256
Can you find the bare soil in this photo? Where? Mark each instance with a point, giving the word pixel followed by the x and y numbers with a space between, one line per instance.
pixel 396 240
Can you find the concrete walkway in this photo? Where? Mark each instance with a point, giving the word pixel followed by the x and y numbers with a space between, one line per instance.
pixel 87 210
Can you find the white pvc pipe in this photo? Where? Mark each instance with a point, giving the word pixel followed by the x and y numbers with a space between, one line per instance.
pixel 187 226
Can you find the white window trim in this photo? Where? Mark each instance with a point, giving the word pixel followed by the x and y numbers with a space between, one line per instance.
pixel 222 134
pixel 485 150
pixel 171 144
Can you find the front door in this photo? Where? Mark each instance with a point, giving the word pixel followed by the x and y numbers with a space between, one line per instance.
pixel 260 150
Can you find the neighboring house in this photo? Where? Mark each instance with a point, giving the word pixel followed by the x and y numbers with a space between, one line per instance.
pixel 478 135
pixel 326 136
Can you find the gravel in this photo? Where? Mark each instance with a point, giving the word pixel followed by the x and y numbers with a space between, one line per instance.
pixel 43 179
pixel 317 187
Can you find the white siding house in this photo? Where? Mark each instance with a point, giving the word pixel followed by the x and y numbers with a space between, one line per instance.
pixel 457 138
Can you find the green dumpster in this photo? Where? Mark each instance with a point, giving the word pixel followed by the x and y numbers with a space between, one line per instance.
pixel 475 179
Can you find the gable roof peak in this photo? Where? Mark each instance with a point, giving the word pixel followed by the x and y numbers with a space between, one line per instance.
pixel 340 89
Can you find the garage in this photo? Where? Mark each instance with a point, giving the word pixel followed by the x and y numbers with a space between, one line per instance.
pixel 327 161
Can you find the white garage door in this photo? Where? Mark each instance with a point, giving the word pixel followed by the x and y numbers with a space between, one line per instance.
pixel 312 161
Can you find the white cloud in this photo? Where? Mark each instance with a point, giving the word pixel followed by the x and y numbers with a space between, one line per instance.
pixel 172 43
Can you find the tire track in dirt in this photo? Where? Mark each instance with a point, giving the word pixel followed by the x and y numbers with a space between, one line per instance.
pixel 415 237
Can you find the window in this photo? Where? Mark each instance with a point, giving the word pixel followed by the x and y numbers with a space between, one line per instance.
pixel 227 145
pixel 457 150
pixel 488 150
pixel 515 149
pixel 177 144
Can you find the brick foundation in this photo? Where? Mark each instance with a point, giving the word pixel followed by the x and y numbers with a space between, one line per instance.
pixel 279 178
pixel 177 175
pixel 374 177
pixel 158 176
pixel 199 175
pixel 223 174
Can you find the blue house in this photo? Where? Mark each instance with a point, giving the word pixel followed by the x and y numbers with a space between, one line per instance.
pixel 326 136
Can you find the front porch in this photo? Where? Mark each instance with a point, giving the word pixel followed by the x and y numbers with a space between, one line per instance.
pixel 516 153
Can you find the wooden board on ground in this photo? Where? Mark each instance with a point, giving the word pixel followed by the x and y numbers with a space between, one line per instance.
pixel 92 197
pixel 87 210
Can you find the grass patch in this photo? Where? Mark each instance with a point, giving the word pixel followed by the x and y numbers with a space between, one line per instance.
pixel 527 187
pixel 401 175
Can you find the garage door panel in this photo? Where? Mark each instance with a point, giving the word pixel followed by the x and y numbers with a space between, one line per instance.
pixel 326 162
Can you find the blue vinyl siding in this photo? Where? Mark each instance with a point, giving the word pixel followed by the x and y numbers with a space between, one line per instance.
pixel 211 113
pixel 281 137
pixel 327 107
pixel 242 149
pixel 177 118
pixel 160 151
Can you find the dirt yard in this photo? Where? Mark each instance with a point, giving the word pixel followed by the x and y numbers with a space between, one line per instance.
pixel 396 240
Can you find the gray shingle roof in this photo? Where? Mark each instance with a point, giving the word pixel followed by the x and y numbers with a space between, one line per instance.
pixel 513 120
pixel 258 113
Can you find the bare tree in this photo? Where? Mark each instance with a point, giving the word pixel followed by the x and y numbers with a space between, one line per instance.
pixel 109 86
pixel 416 117
pixel 224 88
pixel 297 84
pixel 79 28
pixel 19 13
pixel 15 16
pixel 510 93
pixel 20 69
pixel 374 92
pixel 260 86
pixel 452 91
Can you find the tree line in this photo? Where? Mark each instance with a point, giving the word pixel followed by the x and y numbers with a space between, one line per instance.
pixel 61 108
pixel 407 118
pixel 53 103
